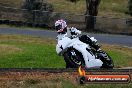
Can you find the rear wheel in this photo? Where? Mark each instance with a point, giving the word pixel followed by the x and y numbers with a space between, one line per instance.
pixel 73 59
pixel 106 59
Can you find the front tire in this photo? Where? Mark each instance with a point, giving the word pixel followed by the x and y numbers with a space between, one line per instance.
pixel 73 59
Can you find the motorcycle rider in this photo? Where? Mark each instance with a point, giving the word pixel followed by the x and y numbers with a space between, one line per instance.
pixel 95 58
pixel 63 30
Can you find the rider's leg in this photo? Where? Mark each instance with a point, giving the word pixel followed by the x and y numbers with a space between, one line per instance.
pixel 86 39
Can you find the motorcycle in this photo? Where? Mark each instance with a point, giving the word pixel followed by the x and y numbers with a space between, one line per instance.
pixel 77 51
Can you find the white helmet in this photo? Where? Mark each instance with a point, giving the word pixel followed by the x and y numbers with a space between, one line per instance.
pixel 60 26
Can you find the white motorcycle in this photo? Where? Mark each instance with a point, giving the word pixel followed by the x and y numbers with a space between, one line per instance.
pixel 77 51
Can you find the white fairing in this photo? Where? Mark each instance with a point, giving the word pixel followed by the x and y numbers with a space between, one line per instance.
pixel 64 42
pixel 89 59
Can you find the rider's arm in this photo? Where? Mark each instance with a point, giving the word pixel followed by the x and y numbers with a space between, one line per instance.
pixel 72 32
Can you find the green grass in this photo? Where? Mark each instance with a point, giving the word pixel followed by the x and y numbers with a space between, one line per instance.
pixel 70 85
pixel 33 52
pixel 121 55
pixel 28 53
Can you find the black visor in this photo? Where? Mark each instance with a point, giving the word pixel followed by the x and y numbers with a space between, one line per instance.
pixel 58 27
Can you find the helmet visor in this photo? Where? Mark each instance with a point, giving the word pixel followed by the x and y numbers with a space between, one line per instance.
pixel 58 27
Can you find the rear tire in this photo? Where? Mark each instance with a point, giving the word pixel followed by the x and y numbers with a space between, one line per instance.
pixel 106 59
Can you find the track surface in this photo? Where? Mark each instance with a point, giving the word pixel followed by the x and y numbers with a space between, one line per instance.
pixel 102 38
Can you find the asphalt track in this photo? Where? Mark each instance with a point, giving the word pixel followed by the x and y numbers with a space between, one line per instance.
pixel 122 40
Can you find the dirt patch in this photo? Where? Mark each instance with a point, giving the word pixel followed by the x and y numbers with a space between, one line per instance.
pixel 43 79
pixel 36 79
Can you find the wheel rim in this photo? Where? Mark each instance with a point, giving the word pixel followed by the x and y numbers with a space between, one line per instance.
pixel 76 61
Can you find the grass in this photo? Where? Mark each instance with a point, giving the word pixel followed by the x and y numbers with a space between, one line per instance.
pixel 68 84
pixel 12 3
pixel 28 52
pixel 119 54
pixel 114 8
pixel 33 52
pixel 66 6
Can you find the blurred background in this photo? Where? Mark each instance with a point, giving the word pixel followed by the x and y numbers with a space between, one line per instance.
pixel 106 16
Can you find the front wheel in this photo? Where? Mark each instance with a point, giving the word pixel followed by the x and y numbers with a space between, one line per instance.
pixel 73 59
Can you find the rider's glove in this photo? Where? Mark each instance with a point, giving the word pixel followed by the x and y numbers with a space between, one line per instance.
pixel 74 31
pixel 93 39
